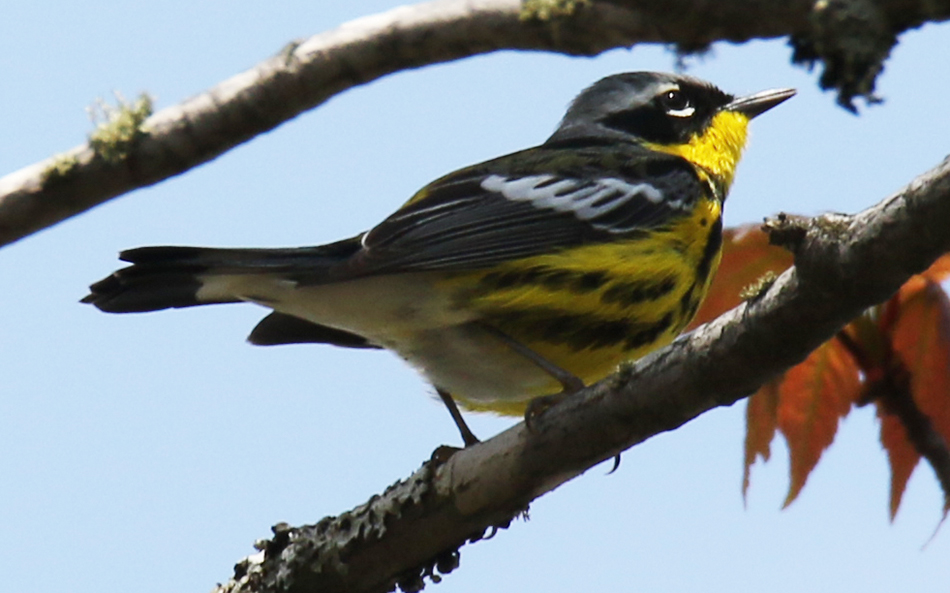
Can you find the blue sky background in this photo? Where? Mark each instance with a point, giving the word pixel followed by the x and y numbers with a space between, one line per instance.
pixel 148 452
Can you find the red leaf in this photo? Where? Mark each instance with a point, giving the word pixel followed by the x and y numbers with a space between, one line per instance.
pixel 761 414
pixel 814 395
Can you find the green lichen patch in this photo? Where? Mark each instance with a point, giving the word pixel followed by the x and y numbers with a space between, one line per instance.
pixel 758 288
pixel 545 10
pixel 62 167
pixel 118 127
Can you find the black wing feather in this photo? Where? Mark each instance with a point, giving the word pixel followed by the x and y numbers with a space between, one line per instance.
pixel 456 223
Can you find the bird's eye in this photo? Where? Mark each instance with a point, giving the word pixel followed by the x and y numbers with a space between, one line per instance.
pixel 676 103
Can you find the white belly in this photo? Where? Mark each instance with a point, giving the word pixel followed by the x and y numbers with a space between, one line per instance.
pixel 408 315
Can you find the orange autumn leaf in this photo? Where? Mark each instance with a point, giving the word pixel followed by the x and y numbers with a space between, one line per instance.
pixel 746 258
pixel 814 395
pixel 937 272
pixel 868 339
pixel 921 338
pixel 901 456
pixel 908 335
pixel 761 415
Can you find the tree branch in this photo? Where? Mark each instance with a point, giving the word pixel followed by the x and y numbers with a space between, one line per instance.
pixel 844 264
pixel 306 74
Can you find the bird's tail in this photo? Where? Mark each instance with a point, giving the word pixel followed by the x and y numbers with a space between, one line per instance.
pixel 172 277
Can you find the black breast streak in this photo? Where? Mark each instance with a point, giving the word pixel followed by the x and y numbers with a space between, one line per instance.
pixel 550 278
pixel 713 244
pixel 649 333
pixel 636 292
pixel 689 304
pixel 579 331
pixel 690 301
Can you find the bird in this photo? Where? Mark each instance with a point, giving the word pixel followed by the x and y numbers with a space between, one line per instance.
pixel 515 282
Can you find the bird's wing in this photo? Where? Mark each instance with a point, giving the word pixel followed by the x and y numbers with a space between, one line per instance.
pixel 491 213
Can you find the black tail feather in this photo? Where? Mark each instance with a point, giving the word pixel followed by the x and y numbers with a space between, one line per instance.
pixel 170 277
pixel 134 290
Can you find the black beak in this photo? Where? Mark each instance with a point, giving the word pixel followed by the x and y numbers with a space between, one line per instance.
pixel 753 105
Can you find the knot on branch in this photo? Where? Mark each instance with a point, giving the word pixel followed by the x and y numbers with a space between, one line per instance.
pixel 852 38
pixel 786 230
pixel 816 244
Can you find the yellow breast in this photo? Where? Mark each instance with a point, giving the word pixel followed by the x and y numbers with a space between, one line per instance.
pixel 588 309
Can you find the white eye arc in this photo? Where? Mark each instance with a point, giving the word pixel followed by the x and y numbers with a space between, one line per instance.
pixel 684 112
pixel 676 104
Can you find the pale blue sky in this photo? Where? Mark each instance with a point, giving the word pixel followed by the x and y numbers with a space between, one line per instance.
pixel 148 452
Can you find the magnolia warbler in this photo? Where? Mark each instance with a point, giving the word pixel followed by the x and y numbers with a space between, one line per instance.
pixel 528 275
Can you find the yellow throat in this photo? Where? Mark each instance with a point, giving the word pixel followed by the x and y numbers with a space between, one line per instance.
pixel 717 149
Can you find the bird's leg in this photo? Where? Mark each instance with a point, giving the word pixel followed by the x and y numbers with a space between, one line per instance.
pixel 570 383
pixel 468 437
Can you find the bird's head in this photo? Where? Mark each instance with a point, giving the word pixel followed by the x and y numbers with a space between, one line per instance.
pixel 670 113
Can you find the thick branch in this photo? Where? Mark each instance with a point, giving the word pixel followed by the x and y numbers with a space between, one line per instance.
pixel 843 265
pixel 307 74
